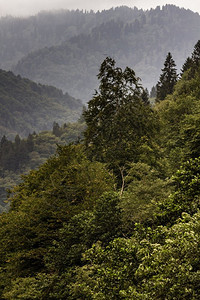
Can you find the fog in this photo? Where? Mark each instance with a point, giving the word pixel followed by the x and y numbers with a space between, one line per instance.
pixel 30 7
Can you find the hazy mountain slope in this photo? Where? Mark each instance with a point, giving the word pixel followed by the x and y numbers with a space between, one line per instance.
pixel 142 44
pixel 26 106
pixel 19 36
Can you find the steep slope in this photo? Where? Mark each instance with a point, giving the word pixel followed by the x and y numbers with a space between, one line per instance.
pixel 141 42
pixel 26 106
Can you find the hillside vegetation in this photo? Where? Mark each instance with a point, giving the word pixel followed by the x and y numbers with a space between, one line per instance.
pixel 22 155
pixel 115 215
pixel 26 107
pixel 137 38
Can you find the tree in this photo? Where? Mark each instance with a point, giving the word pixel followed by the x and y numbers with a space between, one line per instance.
pixel 186 195
pixel 168 79
pixel 145 96
pixel 192 63
pixel 187 65
pixel 67 184
pixel 153 92
pixel 56 129
pixel 170 269
pixel 117 120
pixel 196 54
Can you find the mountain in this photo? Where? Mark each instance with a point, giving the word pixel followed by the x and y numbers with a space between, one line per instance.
pixel 26 106
pixel 137 38
pixel 20 36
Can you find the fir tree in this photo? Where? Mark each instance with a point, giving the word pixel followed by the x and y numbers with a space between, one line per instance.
pixel 168 79
pixel 153 92
pixel 187 65
pixel 145 96
pixel 192 63
pixel 196 54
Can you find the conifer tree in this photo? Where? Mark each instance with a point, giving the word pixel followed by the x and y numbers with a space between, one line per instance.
pixel 153 92
pixel 168 79
pixel 196 54
pixel 145 96
pixel 192 63
pixel 187 65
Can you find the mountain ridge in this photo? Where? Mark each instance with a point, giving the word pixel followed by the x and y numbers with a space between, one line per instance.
pixel 73 64
pixel 26 106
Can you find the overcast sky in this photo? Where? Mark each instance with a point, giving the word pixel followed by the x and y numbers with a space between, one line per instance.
pixel 30 7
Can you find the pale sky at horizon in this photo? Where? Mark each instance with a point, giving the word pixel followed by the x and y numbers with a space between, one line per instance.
pixel 31 7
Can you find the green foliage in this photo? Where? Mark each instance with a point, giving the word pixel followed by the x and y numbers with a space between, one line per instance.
pixel 186 196
pixel 187 65
pixel 192 63
pixel 65 176
pixel 171 270
pixel 74 238
pixel 196 54
pixel 107 218
pixel 22 155
pixel 64 186
pixel 166 268
pixel 109 271
pixel 168 79
pixel 145 189
pixel 29 287
pixel 118 122
pixel 72 233
pixel 179 115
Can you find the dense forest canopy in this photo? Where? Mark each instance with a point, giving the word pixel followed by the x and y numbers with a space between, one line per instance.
pixel 24 154
pixel 91 225
pixel 107 206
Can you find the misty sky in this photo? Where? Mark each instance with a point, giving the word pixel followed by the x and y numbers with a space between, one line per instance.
pixel 29 7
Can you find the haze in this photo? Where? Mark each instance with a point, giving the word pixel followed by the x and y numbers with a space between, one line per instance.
pixel 31 7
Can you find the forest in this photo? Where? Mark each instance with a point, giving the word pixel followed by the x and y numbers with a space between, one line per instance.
pixel 21 155
pixel 115 214
pixel 65 48
pixel 26 106
pixel 73 64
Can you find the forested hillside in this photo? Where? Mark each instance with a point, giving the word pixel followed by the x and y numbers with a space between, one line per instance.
pixel 137 38
pixel 19 36
pixel 115 215
pixel 26 106
pixel 22 155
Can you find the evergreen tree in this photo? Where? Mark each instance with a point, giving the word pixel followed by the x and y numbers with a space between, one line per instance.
pixel 56 129
pixel 145 96
pixel 196 54
pixel 187 65
pixel 192 63
pixel 168 79
pixel 153 92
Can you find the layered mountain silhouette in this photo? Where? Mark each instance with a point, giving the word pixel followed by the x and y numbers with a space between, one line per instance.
pixel 26 106
pixel 66 48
